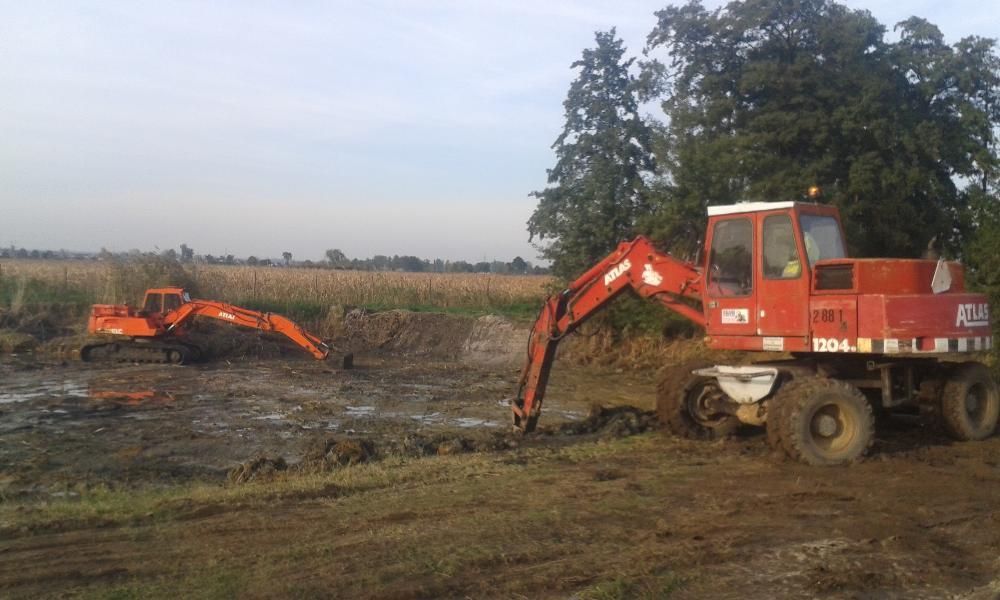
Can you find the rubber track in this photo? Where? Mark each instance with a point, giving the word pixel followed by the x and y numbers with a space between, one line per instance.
pixel 136 353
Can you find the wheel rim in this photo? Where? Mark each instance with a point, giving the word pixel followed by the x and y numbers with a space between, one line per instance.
pixel 832 428
pixel 698 406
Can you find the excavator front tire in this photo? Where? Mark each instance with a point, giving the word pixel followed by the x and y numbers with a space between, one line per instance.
pixel 821 421
pixel 684 402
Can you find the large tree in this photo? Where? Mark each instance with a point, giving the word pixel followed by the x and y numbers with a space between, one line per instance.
pixel 596 189
pixel 764 98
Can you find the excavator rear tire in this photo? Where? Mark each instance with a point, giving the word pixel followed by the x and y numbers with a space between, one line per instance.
pixel 823 421
pixel 970 403
pixel 680 404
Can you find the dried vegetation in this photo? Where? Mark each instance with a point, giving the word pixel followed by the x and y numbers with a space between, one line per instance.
pixel 303 293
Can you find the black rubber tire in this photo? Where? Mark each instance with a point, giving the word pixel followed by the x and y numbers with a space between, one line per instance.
pixel 775 419
pixel 970 383
pixel 814 402
pixel 777 422
pixel 675 395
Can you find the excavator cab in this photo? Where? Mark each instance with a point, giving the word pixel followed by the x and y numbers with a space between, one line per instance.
pixel 760 257
pixel 164 300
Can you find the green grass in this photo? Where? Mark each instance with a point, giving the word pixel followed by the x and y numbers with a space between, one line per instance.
pixel 112 506
pixel 29 294
pixel 635 586
pixel 207 582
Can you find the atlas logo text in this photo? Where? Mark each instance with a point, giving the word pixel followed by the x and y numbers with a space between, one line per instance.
pixel 616 272
pixel 972 315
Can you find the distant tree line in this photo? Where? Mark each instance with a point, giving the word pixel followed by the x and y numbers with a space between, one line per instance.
pixel 334 259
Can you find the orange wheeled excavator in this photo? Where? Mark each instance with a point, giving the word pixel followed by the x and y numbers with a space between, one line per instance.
pixel 156 333
pixel 856 336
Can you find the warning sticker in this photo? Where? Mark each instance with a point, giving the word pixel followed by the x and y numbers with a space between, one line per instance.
pixel 735 316
pixel 774 344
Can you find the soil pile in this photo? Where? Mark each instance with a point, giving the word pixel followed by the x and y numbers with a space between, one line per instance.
pixel 25 330
pixel 331 453
pixel 328 454
pixel 261 467
pixel 495 340
pixel 489 339
pixel 612 422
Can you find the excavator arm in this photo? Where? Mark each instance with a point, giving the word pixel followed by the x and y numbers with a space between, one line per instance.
pixel 253 319
pixel 635 265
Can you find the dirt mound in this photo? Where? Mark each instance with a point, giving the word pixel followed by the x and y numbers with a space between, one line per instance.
pixel 415 444
pixel 612 422
pixel 495 340
pixel 488 339
pixel 330 453
pixel 400 331
pixel 220 340
pixel 261 467
pixel 327 454
pixel 39 323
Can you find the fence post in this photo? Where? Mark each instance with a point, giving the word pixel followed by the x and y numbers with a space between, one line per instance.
pixel 253 289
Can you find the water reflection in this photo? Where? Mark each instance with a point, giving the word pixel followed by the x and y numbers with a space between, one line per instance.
pixel 143 397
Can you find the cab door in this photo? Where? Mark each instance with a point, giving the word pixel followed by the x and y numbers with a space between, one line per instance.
pixel 730 277
pixel 782 279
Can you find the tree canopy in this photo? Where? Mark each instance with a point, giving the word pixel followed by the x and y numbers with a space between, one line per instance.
pixel 596 189
pixel 762 99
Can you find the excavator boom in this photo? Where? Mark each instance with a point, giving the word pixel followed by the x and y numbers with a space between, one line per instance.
pixel 253 319
pixel 634 265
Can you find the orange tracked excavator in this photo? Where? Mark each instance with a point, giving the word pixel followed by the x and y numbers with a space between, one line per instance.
pixel 156 332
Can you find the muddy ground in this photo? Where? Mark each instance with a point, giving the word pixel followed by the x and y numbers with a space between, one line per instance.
pixel 67 425
pixel 267 474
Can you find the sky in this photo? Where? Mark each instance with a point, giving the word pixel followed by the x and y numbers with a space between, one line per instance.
pixel 249 127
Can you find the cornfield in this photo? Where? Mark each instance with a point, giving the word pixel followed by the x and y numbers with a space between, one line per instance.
pixel 276 288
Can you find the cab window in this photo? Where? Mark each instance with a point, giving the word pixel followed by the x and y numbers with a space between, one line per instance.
pixel 152 304
pixel 730 264
pixel 171 302
pixel 781 255
pixel 821 236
